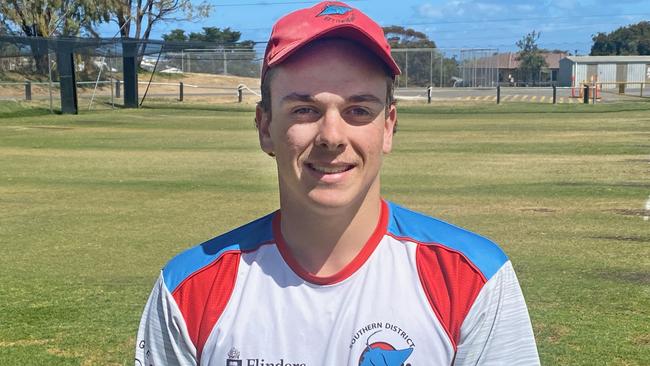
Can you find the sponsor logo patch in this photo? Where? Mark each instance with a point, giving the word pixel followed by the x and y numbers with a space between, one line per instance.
pixel 234 359
pixel 334 10
pixel 380 348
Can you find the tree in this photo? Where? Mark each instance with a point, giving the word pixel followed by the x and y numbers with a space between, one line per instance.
pixel 424 66
pixel 213 37
pixel 137 19
pixel 400 37
pixel 176 35
pixel 44 18
pixel 531 60
pixel 630 40
pixel 225 50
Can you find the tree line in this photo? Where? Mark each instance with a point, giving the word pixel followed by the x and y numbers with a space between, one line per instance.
pixel 625 41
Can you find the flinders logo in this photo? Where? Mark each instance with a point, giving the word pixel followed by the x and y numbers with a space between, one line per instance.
pixel 235 360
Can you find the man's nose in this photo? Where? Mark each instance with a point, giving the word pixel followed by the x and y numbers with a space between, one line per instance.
pixel 331 131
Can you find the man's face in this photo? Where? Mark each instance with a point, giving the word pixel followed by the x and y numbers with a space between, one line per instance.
pixel 328 126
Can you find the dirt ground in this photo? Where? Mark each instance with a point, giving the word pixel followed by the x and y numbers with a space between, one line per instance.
pixel 196 87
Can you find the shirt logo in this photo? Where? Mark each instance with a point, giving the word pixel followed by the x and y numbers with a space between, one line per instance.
pixel 334 10
pixel 383 354
pixel 380 350
pixel 233 358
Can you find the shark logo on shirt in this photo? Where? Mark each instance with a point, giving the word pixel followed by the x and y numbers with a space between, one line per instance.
pixel 383 354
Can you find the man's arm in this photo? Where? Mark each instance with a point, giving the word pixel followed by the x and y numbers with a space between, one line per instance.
pixel 497 329
pixel 162 337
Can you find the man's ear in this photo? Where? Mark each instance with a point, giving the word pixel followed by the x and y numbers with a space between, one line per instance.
pixel 389 128
pixel 263 124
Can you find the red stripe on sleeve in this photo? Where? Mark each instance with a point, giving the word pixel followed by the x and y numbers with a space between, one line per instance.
pixel 451 284
pixel 202 298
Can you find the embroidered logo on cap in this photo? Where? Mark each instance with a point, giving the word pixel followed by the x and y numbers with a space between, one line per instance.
pixel 334 10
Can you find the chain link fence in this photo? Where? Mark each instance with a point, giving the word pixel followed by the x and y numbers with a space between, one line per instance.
pixel 167 70
pixel 446 67
pixel 207 72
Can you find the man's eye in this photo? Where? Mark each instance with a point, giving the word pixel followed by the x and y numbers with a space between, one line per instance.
pixel 303 110
pixel 359 112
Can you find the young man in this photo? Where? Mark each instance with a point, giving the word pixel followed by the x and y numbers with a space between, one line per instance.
pixel 337 276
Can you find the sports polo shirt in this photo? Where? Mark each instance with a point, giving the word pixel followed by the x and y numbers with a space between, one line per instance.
pixel 420 292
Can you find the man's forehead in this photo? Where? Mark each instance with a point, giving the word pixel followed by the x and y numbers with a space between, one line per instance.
pixel 308 98
pixel 324 51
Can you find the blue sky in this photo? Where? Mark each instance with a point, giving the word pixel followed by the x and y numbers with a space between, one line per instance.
pixel 566 24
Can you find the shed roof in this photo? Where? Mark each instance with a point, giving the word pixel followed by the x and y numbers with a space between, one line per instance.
pixel 608 59
pixel 508 60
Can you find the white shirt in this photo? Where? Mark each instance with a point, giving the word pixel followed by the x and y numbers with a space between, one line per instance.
pixel 421 292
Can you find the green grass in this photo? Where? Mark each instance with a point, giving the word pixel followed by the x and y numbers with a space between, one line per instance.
pixel 91 207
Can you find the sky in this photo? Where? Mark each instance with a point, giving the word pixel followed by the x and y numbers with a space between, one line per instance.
pixel 495 24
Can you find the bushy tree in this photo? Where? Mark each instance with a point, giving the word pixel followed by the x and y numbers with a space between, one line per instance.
pixel 423 66
pixel 226 42
pixel 630 40
pixel 531 60
pixel 211 37
pixel 176 35
pixel 137 19
pixel 34 18
pixel 400 37
pixel 44 18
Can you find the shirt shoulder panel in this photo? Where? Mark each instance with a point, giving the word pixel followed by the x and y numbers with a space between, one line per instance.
pixel 245 238
pixel 485 255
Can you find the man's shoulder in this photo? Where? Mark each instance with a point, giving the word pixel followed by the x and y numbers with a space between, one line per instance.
pixel 408 225
pixel 244 238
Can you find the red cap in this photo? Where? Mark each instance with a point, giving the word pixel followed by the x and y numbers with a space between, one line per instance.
pixel 331 19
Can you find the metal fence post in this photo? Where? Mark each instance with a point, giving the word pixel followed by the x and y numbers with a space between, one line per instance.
pixel 498 94
pixel 554 94
pixel 28 90
pixel 117 88
pixel 240 93
pixel 180 91
pixel 429 91
pixel 585 94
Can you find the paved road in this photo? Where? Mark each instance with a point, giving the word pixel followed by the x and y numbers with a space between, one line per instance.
pixel 534 95
pixel 537 95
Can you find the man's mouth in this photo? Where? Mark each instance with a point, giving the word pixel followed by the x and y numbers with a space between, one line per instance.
pixel 330 168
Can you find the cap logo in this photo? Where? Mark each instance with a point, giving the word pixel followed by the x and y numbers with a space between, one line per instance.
pixel 334 10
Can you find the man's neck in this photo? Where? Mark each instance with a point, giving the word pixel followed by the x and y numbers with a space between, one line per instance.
pixel 323 242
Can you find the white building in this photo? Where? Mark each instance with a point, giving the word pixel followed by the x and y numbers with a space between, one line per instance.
pixel 608 70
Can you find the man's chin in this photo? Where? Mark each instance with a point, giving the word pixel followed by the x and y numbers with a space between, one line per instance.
pixel 331 201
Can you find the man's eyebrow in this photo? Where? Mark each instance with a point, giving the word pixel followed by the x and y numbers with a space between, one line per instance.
pixel 296 97
pixel 361 98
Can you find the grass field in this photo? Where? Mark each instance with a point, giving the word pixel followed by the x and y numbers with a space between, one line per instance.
pixel 91 207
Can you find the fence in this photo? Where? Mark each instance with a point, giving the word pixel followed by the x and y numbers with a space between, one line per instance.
pixel 196 71
pixel 99 63
pixel 448 67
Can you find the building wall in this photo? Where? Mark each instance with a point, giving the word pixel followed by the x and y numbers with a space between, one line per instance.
pixel 566 71
pixel 607 74
pixel 581 73
pixel 636 73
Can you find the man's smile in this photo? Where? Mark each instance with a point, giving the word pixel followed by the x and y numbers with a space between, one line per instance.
pixel 329 168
